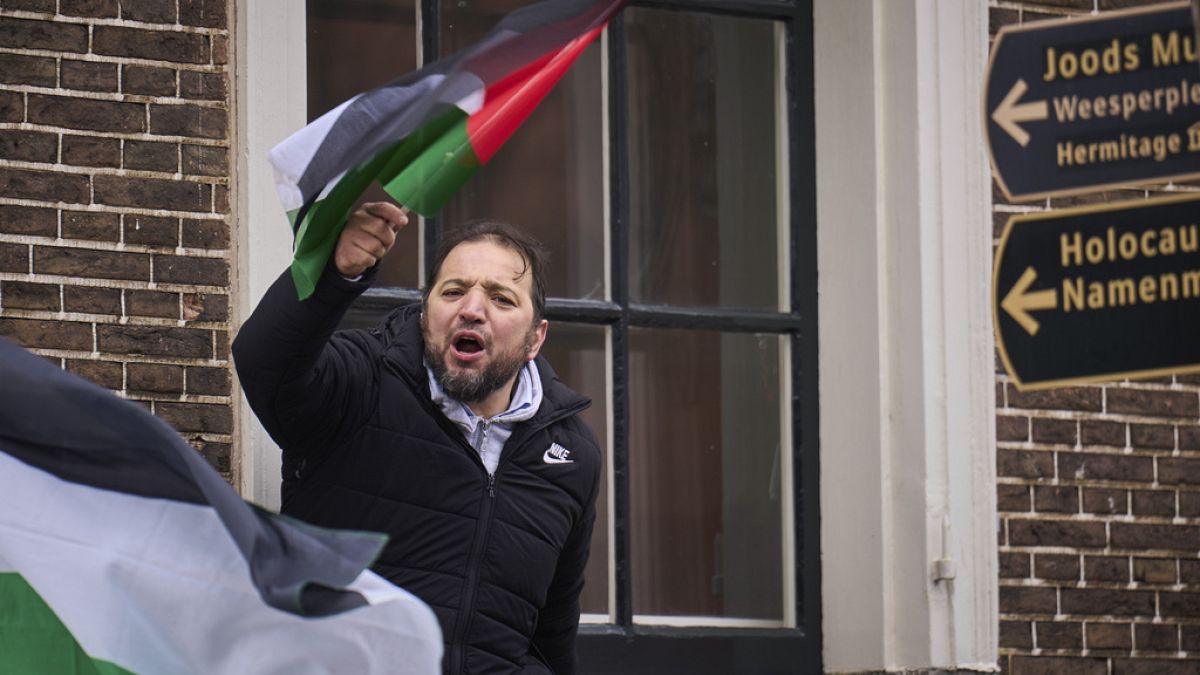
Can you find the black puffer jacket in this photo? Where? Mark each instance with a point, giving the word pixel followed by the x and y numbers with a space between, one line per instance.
pixel 499 559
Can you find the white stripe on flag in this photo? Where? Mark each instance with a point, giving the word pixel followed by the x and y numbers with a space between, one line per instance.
pixel 293 154
pixel 157 586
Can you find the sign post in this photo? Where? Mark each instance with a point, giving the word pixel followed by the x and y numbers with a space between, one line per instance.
pixel 1086 104
pixel 1099 293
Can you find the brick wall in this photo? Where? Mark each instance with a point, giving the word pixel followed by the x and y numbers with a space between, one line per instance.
pixel 114 200
pixel 1099 500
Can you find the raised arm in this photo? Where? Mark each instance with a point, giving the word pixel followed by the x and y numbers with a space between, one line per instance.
pixel 305 383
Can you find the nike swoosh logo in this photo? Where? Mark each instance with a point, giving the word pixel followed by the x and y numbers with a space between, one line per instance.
pixel 557 454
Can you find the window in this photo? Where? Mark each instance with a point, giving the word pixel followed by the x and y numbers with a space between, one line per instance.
pixel 670 175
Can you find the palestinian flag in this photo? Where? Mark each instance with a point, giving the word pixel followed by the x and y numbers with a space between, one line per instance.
pixel 123 551
pixel 423 135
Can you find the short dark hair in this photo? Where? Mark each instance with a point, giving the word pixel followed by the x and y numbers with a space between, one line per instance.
pixel 506 235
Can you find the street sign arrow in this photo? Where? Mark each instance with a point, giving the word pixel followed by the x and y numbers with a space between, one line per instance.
pixel 1018 303
pixel 1092 103
pixel 1009 113
pixel 1115 289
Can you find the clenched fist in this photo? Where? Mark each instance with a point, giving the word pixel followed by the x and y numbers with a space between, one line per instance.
pixel 368 236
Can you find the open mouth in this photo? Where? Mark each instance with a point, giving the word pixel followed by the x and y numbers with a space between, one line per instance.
pixel 467 345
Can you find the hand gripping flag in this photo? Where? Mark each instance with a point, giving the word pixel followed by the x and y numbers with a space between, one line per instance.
pixel 423 135
pixel 123 551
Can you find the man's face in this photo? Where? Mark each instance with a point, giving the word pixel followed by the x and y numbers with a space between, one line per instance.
pixel 478 321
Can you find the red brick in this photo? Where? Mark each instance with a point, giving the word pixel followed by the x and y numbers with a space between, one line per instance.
pixel 1153 503
pixel 1056 499
pixel 152 193
pixel 1056 567
pixel 1189 638
pixel 1067 398
pixel 1180 604
pixel 1105 500
pixel 148 80
pixel 86 114
pixel 31 5
pixel 150 156
pixel 1189 504
pixel 1016 635
pixel 155 341
pixel 1179 471
pixel 14 258
pixel 217 454
pixel 38 71
pixel 99 9
pixel 22 295
pixel 1059 635
pixel 208 234
pixel 201 417
pixel 148 11
pixel 78 262
pixel 205 160
pixel 151 231
pixel 104 373
pixel 28 146
pixel 220 49
pixel 48 35
pixel 1084 466
pixel 1154 570
pixel 1155 403
pixel 1144 666
pixel 1028 600
pixel 12 106
pixel 29 220
pixel 205 13
pixel 205 307
pixel 1012 498
pixel 48 334
pixel 208 381
pixel 91 225
pixel 155 378
pixel 47 186
pixel 1138 535
pixel 1107 602
pixel 1109 636
pixel 184 270
pixel 1024 464
pixel 1156 436
pixel 203 86
pixel 220 198
pixel 1099 432
pixel 154 45
pixel 1057 665
pixel 1054 431
pixel 188 120
pixel 92 300
pixel 1105 568
pixel 221 345
pixel 1157 637
pixel 1014 565
pixel 152 303
pixel 91 151
pixel 1022 532
pixel 89 75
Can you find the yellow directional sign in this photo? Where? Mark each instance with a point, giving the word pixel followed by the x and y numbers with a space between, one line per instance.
pixel 1099 293
pixel 1090 103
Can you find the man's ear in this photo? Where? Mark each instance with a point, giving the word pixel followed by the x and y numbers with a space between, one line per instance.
pixel 539 336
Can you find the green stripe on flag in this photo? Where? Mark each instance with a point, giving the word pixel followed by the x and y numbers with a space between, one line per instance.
pixel 34 642
pixel 437 164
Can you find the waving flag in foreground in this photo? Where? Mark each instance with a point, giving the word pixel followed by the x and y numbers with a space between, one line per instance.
pixel 123 551
pixel 423 135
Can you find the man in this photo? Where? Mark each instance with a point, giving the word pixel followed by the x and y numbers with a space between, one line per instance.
pixel 444 429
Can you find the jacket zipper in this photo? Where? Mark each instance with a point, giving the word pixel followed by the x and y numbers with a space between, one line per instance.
pixel 457 663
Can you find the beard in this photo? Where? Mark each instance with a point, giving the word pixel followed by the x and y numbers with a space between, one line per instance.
pixel 474 386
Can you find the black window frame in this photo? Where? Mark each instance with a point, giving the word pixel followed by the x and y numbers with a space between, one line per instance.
pixel 624 647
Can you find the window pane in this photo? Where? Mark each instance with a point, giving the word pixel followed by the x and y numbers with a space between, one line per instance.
pixel 702 160
pixel 354 46
pixel 549 177
pixel 578 354
pixel 704 443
